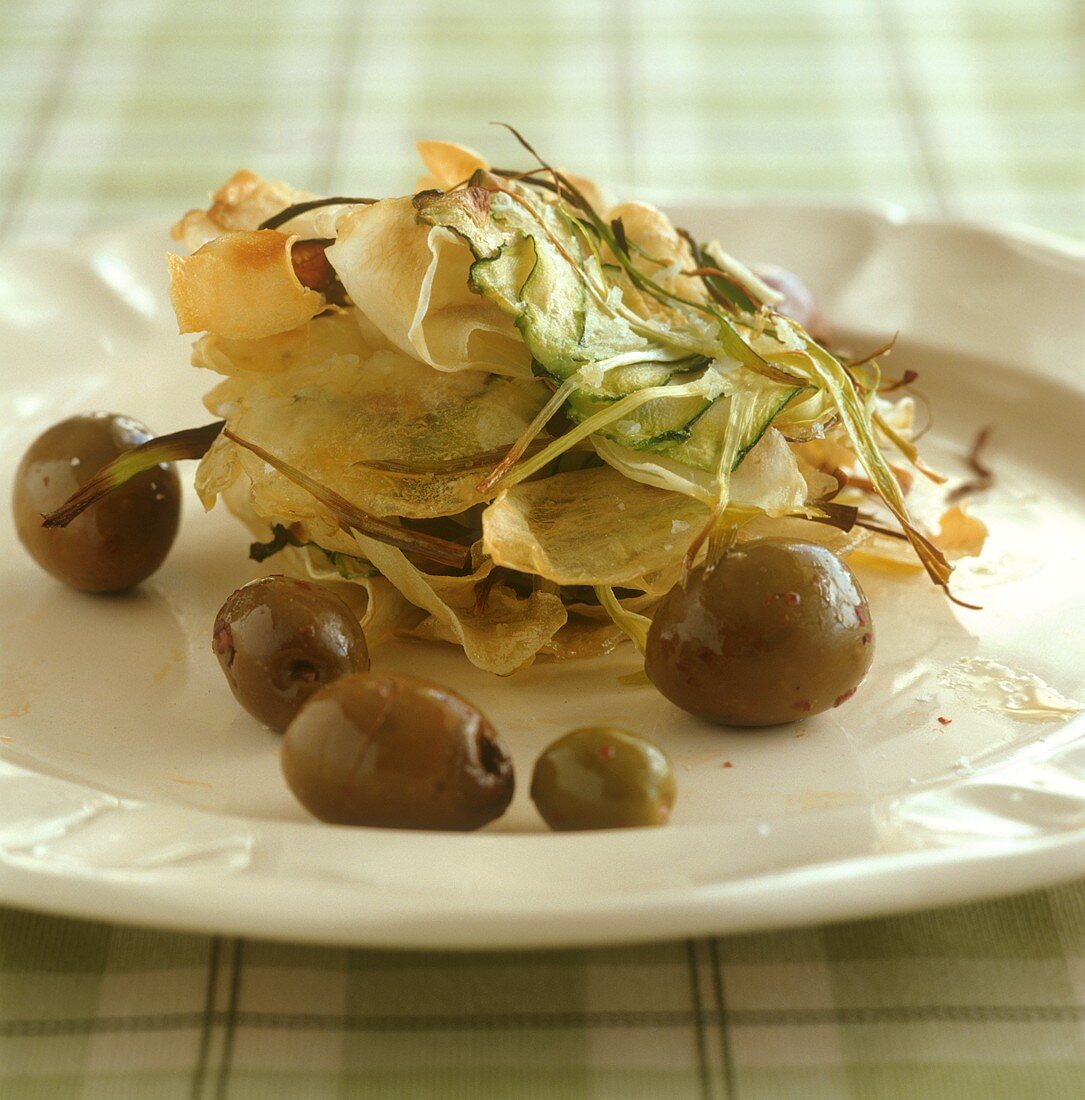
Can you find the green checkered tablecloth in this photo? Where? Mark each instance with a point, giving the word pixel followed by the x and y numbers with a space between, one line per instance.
pixel 119 110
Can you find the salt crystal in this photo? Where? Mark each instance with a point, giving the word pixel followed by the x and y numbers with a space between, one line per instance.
pixel 714 383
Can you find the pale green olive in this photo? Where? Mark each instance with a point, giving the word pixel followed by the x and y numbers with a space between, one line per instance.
pixel 601 777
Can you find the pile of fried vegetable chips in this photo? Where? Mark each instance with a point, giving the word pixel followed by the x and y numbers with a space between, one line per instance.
pixel 651 390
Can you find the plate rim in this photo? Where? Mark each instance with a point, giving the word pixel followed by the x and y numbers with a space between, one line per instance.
pixel 879 883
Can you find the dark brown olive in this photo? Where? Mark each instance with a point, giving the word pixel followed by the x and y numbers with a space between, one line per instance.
pixel 397 753
pixel 115 543
pixel 601 777
pixel 278 640
pixel 772 632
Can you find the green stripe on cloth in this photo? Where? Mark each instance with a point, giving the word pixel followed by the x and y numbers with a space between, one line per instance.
pixel 964 1002
pixel 125 110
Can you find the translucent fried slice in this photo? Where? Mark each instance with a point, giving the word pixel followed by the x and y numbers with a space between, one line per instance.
pixel 241 285
pixel 447 163
pixel 381 609
pixel 500 634
pixel 769 477
pixel 229 356
pixel 658 250
pixel 959 535
pixel 336 332
pixel 411 281
pixel 242 202
pixel 391 435
pixel 590 527
pixel 583 637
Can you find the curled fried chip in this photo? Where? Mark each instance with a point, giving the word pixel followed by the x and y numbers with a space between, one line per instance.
pixel 335 333
pixel 411 281
pixel 246 201
pixel 960 535
pixel 241 285
pixel 242 202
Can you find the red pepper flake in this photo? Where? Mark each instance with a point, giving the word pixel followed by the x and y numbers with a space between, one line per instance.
pixel 607 752
pixel 844 698
pixel 803 704
pixel 861 614
pixel 943 720
pixel 727 764
pixel 867 638
pixel 801 733
pixel 792 599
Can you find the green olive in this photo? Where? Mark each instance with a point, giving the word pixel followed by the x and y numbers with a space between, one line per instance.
pixel 771 632
pixel 278 640
pixel 117 542
pixel 601 777
pixel 397 753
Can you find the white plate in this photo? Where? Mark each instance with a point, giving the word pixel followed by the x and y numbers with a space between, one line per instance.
pixel 133 789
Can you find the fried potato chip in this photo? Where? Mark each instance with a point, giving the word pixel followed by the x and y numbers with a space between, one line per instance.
pixel 392 435
pixel 591 527
pixel 335 332
pixel 660 252
pixel 242 202
pixel 501 633
pixel 447 163
pixel 229 356
pixel 960 535
pixel 583 637
pixel 411 281
pixel 241 285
